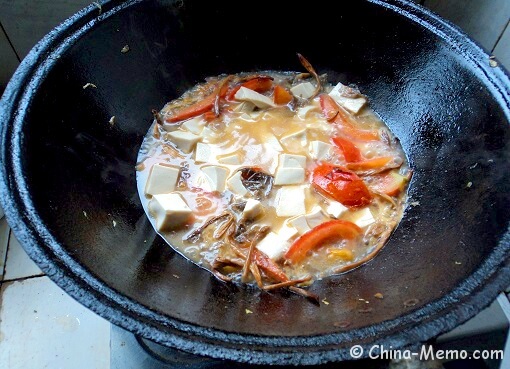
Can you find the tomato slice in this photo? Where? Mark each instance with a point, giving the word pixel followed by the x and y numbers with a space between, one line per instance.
pixel 332 230
pixel 341 185
pixel 199 107
pixel 337 114
pixel 350 151
pixel 390 183
pixel 281 95
pixel 269 267
pixel 259 84
pixel 375 163
pixel 333 112
pixel 359 134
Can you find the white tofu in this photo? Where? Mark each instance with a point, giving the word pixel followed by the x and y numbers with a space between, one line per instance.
pixel 286 232
pixel 363 218
pixel 272 142
pixel 208 135
pixel 303 112
pixel 292 161
pixel 316 217
pixel 230 159
pixel 321 126
pixel 297 138
pixel 290 201
pixel 354 105
pixel 303 90
pixel 320 150
pixel 252 210
pixel 335 209
pixel 244 107
pixel 261 101
pixel 170 127
pixel 185 141
pixel 162 179
pixel 170 211
pixel 194 125
pixel 304 223
pixel 289 176
pixel 273 246
pixel 247 117
pixel 217 177
pixel 235 185
pixel 300 224
pixel 204 153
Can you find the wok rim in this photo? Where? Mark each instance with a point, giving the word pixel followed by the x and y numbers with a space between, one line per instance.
pixel 466 300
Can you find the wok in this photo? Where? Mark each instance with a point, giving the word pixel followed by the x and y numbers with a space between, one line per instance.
pixel 67 174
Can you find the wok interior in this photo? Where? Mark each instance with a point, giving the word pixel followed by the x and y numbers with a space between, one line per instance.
pixel 439 106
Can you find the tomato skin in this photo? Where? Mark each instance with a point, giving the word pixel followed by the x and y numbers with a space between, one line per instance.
pixel 368 164
pixel 314 238
pixel 200 107
pixel 341 185
pixel 281 95
pixel 350 151
pixel 390 183
pixel 269 267
pixel 259 84
pixel 336 114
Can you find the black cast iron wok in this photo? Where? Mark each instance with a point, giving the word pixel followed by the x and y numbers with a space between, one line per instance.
pixel 61 159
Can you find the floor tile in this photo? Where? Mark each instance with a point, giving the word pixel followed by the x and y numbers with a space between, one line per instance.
pixel 502 50
pixel 42 327
pixel 27 21
pixel 4 241
pixel 8 64
pixel 483 20
pixel 18 264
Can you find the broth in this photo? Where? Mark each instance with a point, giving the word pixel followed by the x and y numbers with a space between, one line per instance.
pixel 288 158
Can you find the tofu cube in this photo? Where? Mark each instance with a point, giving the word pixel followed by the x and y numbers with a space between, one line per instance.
pixel 273 246
pixel 230 159
pixel 352 104
pixel 252 210
pixel 303 112
pixel 295 140
pixel 208 135
pixel 235 185
pixel 272 142
pixel 289 176
pixel 290 201
pixel 244 107
pixel 363 218
pixel 320 150
pixel 316 217
pixel 247 117
pixel 287 232
pixel 335 209
pixel 194 125
pixel 170 211
pixel 217 177
pixel 300 224
pixel 170 127
pixel 204 153
pixel 304 223
pixel 303 90
pixel 260 101
pixel 162 179
pixel 292 161
pixel 185 141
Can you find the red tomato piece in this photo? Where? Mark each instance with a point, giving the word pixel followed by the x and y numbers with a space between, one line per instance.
pixel 314 238
pixel 341 185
